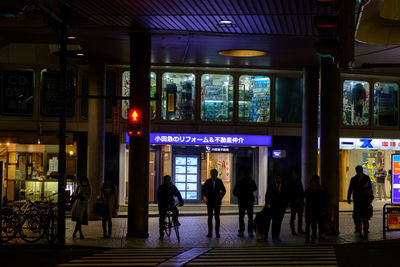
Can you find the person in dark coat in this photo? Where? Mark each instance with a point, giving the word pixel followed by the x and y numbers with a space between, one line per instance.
pixel 244 190
pixel 109 197
pixel 276 200
pixel 314 203
pixel 296 202
pixel 166 194
pixel 361 189
pixel 213 190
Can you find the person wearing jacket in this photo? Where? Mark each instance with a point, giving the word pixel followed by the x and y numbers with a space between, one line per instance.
pixel 276 200
pixel 166 194
pixel 80 205
pixel 213 190
pixel 244 191
pixel 109 197
pixel 314 203
pixel 296 202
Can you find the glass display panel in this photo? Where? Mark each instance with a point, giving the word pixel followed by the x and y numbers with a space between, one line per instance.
pixel 180 178
pixel 180 186
pixel 191 178
pixel 191 161
pixel 180 161
pixel 355 103
pixel 191 186
pixel 216 97
pixel 288 100
pixel 126 81
pixel 153 91
pixel 191 169
pixel 386 104
pixel 180 169
pixel 254 98
pixel 178 96
pixel 191 195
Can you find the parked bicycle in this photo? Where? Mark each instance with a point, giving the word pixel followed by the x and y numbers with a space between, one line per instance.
pixel 32 222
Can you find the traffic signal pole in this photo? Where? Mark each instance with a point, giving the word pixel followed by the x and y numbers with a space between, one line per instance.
pixel 138 207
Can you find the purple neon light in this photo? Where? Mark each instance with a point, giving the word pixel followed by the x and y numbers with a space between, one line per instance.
pixel 210 139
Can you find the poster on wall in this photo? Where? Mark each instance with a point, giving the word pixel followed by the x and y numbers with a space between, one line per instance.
pixel 396 179
pixel 186 176
pixel 393 218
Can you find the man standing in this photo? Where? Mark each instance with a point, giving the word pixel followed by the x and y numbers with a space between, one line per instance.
pixel 276 200
pixel 380 176
pixel 213 190
pixel 361 189
pixel 166 194
pixel 243 190
pixel 296 202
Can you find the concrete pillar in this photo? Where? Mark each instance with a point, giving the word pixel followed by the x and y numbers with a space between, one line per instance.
pixel 138 202
pixel 309 139
pixel 96 130
pixel 329 142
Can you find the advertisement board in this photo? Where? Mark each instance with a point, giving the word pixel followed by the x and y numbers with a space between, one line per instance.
pixel 393 218
pixel 396 179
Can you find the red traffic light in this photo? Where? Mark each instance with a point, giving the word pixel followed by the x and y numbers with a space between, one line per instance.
pixel 329 23
pixel 134 127
pixel 134 115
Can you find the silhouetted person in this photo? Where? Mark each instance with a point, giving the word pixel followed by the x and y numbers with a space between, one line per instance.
pixel 276 199
pixel 213 190
pixel 244 191
pixel 361 189
pixel 166 194
pixel 296 202
pixel 109 196
pixel 314 203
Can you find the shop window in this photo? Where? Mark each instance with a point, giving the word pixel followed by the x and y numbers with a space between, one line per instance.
pixel 16 92
pixel 110 91
pixel 126 92
pixel 50 105
pixel 216 97
pixel 288 100
pixel 254 98
pixel 385 104
pixel 355 103
pixel 178 96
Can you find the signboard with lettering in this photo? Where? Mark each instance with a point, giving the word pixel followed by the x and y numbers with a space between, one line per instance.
pixel 396 179
pixel 369 143
pixel 210 139
pixel 393 218
pixel 216 149
pixel 50 92
pixel 16 92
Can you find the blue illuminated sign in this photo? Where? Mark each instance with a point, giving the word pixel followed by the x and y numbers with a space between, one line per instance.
pixel 276 154
pixel 210 139
pixel 396 179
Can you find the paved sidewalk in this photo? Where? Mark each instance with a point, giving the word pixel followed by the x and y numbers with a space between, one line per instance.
pixel 194 229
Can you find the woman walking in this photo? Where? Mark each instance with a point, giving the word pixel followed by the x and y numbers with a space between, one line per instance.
pixel 109 197
pixel 80 205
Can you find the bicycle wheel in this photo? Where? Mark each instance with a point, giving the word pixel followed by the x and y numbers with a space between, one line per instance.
pixel 33 227
pixel 168 225
pixel 9 226
pixel 176 228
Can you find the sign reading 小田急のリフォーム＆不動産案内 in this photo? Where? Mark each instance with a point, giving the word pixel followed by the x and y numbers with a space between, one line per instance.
pixel 396 179
pixel 210 139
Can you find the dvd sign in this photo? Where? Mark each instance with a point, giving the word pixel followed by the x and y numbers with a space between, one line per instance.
pixel 17 92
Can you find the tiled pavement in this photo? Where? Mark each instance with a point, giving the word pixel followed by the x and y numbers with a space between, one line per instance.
pixel 194 229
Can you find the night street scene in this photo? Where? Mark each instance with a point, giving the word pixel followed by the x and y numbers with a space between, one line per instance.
pixel 199 133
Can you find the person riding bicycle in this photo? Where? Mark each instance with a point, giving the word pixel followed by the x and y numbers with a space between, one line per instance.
pixel 166 194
